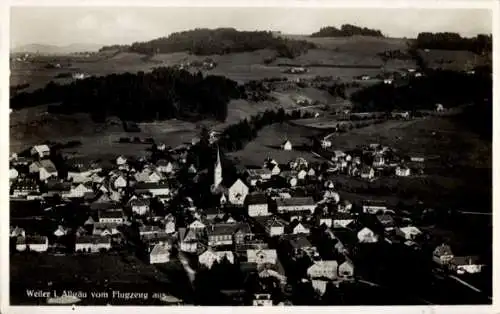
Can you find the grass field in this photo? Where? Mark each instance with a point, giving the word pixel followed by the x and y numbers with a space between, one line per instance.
pixel 459 60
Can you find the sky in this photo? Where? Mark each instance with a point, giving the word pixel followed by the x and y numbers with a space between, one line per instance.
pixel 123 25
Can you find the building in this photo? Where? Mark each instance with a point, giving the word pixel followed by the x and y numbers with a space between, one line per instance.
pixel 293 204
pixel 439 108
pixel 301 246
pixel 367 172
pixel 299 228
pixel 41 151
pixel 366 235
pixel 111 216
pixel 465 264
pixel 150 231
pixel 402 171
pixel 13 174
pixel 217 171
pixel 262 256
pixel 32 243
pixel 378 161
pixel 80 190
pixel 344 207
pixel 209 257
pixel 260 174
pixel 443 254
pixel 81 170
pixel 257 204
pixel 323 269
pixel 326 143
pixel 221 234
pixel 387 221
pixel 155 189
pixel 287 145
pixel 274 227
pixel 45 169
pixel 342 219
pixel 92 243
pixel 160 253
pixel 262 299
pixel 374 207
pixel 237 193
pixel 409 233
pixel 121 160
pixel 346 270
pixel 164 166
pixel 105 229
pixel 140 206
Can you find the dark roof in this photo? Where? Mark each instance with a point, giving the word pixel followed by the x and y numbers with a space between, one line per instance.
pixel 222 229
pixel 342 216
pixel 93 239
pixel 105 206
pixel 385 219
pixel 465 260
pixel 299 241
pixel 54 185
pixel 32 240
pixel 149 229
pixel 140 202
pixel 295 201
pixel 256 198
pixel 110 214
pixel 443 249
pixel 151 185
pixel 81 164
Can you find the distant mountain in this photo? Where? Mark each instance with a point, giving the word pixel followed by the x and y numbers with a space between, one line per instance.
pixel 53 49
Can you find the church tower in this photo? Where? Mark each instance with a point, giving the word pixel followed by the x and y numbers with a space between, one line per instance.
pixel 217 171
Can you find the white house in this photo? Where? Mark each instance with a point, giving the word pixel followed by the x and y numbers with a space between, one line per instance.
pixel 40 150
pixel 79 191
pixel 92 243
pixel 257 204
pixel 160 253
pixel 301 175
pixel 378 161
pixel 164 166
pixel 196 225
pixel 237 193
pixel 274 227
pixel 326 143
pixel 300 229
pixel 439 108
pixel 346 270
pixel 262 256
pixel 121 160
pixel 156 189
pixel 402 171
pixel 275 170
pixel 466 264
pixel 111 216
pixel 13 174
pixel 119 182
pixel 367 173
pixel 262 299
pixel 208 257
pixel 366 235
pixel 295 204
pixel 410 232
pixel 287 145
pixel 323 269
pixel 33 243
pixel 170 227
pixel 140 206
pixel 374 207
pixel 45 169
pixel 342 220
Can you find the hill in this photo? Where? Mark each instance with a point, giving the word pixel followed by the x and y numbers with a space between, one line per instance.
pixel 218 41
pixel 55 50
pixel 347 30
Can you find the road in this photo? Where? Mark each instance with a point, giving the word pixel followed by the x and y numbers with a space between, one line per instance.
pixel 187 268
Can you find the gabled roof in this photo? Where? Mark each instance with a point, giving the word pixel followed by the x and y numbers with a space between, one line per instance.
pixel 443 249
pixel 295 201
pixel 299 241
pixel 110 214
pixel 41 148
pixel 465 260
pixel 93 239
pixel 55 185
pixel 47 164
pixel 160 249
pixel 151 185
pixel 143 229
pixel 222 229
pixel 140 202
pixel 256 198
pixel 32 240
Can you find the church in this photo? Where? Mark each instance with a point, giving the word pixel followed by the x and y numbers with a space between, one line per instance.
pixel 233 193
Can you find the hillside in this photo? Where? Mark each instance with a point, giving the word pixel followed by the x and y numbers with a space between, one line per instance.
pixel 347 30
pixel 55 50
pixel 218 41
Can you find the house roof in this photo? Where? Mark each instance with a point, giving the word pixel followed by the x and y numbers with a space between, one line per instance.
pixel 385 219
pixel 258 172
pixel 465 260
pixel 81 164
pixel 443 249
pixel 295 201
pixel 110 214
pixel 288 174
pixel 256 198
pixel 47 164
pixel 151 185
pixel 93 239
pixel 274 222
pixel 140 202
pixel 222 229
pixel 299 241
pixel 32 240
pixel 54 185
pixel 149 229
pixel 342 216
pixel 160 249
pixel 41 148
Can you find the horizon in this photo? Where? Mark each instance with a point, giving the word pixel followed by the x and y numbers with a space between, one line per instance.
pixel 103 26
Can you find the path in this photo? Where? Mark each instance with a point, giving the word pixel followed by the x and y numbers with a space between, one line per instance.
pixel 468 285
pixel 187 268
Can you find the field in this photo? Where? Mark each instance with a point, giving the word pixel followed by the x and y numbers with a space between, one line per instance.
pixel 453 60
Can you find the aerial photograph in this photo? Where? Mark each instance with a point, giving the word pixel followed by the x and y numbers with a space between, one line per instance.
pixel 273 156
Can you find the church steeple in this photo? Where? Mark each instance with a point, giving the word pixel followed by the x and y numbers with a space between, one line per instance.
pixel 218 170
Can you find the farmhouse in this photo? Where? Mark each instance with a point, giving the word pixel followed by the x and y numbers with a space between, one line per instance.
pixel 41 151
pixel 32 243
pixel 92 244
pixel 287 145
pixel 257 204
pixel 295 204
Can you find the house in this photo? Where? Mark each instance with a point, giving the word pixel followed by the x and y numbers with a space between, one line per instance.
pixel 465 264
pixel 329 184
pixel 443 254
pixel 221 234
pixel 150 231
pixel 325 220
pixel 170 227
pixel 140 206
pixel 160 253
pixel 346 270
pixel 275 170
pixel 417 158
pixel 311 173
pixel 287 145
pixel 164 166
pixel 156 189
pixel 374 207
pixel 13 174
pixel 208 257
pixel 121 160
pixel 342 220
pixel 290 177
pixel 367 172
pixel 81 170
pixel 378 161
pixel 409 233
pixel 196 226
pixel 41 151
pixel 325 143
pixel 188 240
pixel 274 227
pixel 213 213
pixel 344 207
pixel 243 234
pixel 300 245
pixel 387 221
pixel 60 231
pixel 295 204
pixel 402 171
pixel 148 175
pixel 92 243
pixel 79 190
pixel 338 155
pixel 237 193
pixel 262 299
pixel 119 182
pixel 299 215
pixel 439 108
pixel 262 256
pixel 25 187
pixel 45 169
pixel 366 235
pixel 298 228
pixel 89 222
pixel 331 196
pixel 17 232
pixel 111 216
pixel 261 174
pixel 323 269
pixel 257 204
pixel 105 229
pixel 32 243
pixel 301 175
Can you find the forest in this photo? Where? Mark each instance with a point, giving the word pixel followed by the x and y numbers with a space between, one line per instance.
pixel 203 41
pixel 162 94
pixel 452 41
pixel 346 30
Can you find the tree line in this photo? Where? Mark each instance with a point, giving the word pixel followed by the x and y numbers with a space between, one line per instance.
pixel 163 93
pixel 219 41
pixel 453 41
pixel 449 88
pixel 347 30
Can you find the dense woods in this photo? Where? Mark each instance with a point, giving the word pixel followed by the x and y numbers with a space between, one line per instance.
pixel 162 94
pixel 446 87
pixel 453 41
pixel 218 41
pixel 346 30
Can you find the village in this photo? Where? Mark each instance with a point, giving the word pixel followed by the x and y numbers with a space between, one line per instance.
pixel 283 229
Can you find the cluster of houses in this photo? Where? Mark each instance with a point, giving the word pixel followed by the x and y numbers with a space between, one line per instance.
pixel 261 220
